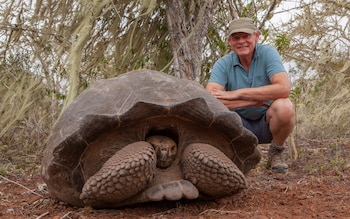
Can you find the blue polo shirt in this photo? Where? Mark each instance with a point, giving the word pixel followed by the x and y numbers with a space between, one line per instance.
pixel 228 72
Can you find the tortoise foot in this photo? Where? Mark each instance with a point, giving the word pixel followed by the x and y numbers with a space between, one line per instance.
pixel 172 191
pixel 123 175
pixel 211 171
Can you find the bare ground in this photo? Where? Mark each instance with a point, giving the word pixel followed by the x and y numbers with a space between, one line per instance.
pixel 316 186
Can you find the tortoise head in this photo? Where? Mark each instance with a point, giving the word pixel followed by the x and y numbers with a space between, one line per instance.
pixel 166 149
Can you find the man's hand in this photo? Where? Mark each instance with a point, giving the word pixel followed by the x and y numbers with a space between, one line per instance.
pixel 232 100
pixel 225 95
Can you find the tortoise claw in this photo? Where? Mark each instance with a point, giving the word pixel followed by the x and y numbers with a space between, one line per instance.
pixel 211 171
pixel 172 191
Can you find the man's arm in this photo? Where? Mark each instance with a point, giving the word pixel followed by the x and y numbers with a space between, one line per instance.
pixel 279 88
pixel 215 88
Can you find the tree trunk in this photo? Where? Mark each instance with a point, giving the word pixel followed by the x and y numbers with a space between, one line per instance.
pixel 188 23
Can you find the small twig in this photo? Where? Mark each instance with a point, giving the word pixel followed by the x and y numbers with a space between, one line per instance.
pixel 43 215
pixel 173 210
pixel 21 186
pixel 215 211
pixel 68 213
pixel 286 190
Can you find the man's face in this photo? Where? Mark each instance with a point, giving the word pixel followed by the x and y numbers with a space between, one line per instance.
pixel 243 44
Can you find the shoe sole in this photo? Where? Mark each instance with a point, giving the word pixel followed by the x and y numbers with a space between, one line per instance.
pixel 279 169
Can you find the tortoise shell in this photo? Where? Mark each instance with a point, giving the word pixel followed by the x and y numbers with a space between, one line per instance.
pixel 98 155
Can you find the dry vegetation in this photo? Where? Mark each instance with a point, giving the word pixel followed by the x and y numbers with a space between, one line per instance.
pixel 323 109
pixel 38 54
pixel 34 82
pixel 24 120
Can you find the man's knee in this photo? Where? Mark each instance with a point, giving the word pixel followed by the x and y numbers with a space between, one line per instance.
pixel 282 109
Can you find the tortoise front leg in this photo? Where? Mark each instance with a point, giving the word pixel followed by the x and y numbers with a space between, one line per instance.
pixel 211 171
pixel 123 175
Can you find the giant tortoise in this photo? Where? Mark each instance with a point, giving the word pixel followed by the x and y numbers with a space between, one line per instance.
pixel 146 136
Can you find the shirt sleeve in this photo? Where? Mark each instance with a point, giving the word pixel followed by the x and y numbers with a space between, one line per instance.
pixel 273 61
pixel 219 72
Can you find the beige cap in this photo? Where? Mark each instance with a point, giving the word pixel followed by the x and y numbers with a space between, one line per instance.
pixel 245 25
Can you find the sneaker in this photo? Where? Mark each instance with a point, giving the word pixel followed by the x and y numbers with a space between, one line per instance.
pixel 276 160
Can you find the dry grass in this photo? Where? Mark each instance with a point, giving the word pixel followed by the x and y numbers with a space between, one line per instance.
pixel 323 108
pixel 24 123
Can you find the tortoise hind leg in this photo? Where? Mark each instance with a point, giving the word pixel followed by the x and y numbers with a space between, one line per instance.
pixel 211 171
pixel 123 175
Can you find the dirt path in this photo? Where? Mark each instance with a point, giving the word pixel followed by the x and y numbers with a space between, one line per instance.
pixel 316 186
